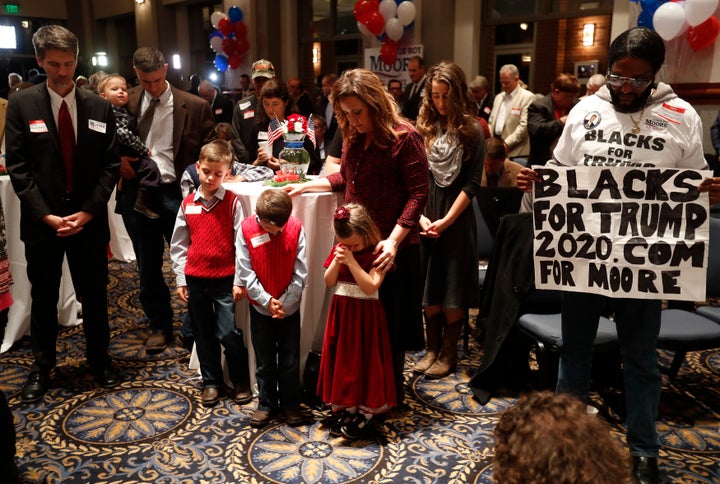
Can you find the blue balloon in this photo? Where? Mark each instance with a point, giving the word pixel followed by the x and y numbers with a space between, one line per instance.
pixel 221 62
pixel 645 19
pixel 235 14
pixel 215 33
pixel 650 5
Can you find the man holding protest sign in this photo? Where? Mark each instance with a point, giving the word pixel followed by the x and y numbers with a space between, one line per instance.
pixel 631 122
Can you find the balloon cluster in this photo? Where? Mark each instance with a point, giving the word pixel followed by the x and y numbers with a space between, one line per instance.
pixel 672 19
pixel 229 42
pixel 387 20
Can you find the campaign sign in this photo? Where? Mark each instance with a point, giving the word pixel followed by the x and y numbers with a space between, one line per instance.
pixel 398 69
pixel 622 231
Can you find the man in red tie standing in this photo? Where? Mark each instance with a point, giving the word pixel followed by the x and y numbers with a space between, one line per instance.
pixel 63 163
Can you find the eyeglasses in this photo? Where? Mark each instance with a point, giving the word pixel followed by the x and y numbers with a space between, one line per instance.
pixel 619 81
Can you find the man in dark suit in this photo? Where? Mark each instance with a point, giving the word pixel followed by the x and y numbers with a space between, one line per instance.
pixel 325 108
pixel 547 115
pixel 175 128
pixel 414 90
pixel 481 93
pixel 63 163
pixel 221 106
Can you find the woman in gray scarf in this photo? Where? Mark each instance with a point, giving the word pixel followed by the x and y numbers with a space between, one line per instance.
pixel 455 148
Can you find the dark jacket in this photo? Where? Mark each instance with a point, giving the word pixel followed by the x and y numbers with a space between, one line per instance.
pixel 36 167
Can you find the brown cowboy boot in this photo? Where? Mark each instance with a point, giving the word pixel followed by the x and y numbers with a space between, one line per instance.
pixel 447 361
pixel 433 338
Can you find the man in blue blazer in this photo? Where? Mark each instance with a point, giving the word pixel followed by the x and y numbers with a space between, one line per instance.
pixel 63 162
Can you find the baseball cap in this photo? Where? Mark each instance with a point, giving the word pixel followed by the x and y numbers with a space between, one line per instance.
pixel 262 68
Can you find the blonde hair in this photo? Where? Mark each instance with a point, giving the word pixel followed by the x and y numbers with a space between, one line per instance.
pixel 218 150
pixel 367 87
pixel 356 220
pixel 103 82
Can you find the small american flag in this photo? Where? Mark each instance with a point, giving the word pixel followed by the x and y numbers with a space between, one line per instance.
pixel 274 132
pixel 311 131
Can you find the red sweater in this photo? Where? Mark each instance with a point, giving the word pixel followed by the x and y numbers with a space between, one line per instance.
pixel 273 260
pixel 211 253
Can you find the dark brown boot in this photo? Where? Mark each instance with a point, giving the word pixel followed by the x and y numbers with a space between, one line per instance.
pixel 433 342
pixel 447 361
pixel 142 204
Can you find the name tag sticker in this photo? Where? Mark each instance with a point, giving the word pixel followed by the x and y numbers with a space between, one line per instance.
pixel 244 105
pixel 193 209
pixel 218 111
pixel 487 109
pixel 38 126
pixel 259 240
pixel 670 113
pixel 98 126
pixel 262 135
pixel 250 113
pixel 516 111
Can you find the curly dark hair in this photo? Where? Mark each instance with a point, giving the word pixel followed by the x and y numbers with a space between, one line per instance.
pixel 548 438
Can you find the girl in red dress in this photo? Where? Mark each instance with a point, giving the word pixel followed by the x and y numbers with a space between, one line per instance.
pixel 356 372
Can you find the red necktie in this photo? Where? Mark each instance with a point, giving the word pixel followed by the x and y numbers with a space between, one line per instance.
pixel 67 143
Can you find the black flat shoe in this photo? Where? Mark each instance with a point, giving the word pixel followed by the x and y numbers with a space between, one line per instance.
pixel 645 470
pixel 357 427
pixel 35 387
pixel 108 378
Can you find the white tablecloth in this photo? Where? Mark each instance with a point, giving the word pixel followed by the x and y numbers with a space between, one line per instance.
pixel 315 210
pixel 120 243
pixel 19 317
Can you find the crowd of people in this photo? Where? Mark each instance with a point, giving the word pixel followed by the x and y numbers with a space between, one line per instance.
pixel 404 266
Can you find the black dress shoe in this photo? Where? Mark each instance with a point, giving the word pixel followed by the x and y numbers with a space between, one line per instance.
pixel 645 470
pixel 108 378
pixel 35 387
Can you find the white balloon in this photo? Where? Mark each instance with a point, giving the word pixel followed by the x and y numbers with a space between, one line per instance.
pixel 387 9
pixel 394 29
pixel 698 11
pixel 216 17
pixel 406 12
pixel 669 20
pixel 364 30
pixel 216 44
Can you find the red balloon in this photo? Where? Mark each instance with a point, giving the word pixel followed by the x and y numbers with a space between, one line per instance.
pixel 363 9
pixel 225 26
pixel 234 61
pixel 242 45
pixel 388 52
pixel 228 46
pixel 375 23
pixel 704 35
pixel 240 30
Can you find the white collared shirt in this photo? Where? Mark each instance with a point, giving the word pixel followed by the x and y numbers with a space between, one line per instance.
pixel 160 137
pixel 55 103
pixel 504 110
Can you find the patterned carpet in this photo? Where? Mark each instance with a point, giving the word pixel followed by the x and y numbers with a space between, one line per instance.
pixel 152 427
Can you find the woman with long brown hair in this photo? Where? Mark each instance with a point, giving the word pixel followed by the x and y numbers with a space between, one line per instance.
pixel 455 148
pixel 384 168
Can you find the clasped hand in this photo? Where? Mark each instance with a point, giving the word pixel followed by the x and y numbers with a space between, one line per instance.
pixel 68 225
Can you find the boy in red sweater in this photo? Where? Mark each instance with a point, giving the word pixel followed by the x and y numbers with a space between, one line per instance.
pixel 203 254
pixel 272 267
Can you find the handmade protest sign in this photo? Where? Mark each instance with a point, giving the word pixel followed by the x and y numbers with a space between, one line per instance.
pixel 621 231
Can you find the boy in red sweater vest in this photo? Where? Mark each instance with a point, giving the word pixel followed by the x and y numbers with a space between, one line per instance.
pixel 203 255
pixel 272 266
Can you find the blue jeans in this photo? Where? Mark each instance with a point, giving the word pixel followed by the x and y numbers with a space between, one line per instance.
pixel 149 238
pixel 638 325
pixel 213 323
pixel 277 356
